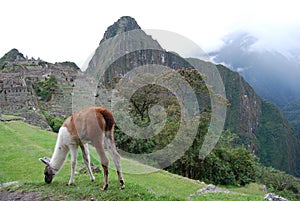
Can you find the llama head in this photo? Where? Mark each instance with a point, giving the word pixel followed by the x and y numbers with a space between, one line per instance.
pixel 49 171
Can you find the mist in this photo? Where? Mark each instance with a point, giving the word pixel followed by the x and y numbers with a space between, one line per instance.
pixel 270 64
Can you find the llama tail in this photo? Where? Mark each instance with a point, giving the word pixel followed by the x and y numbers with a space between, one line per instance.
pixel 109 123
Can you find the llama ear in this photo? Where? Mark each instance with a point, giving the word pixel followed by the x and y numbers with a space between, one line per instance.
pixel 45 160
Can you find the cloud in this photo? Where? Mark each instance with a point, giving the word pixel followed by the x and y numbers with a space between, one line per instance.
pixel 71 30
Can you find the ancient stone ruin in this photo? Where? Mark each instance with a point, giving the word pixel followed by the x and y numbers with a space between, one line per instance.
pixel 19 76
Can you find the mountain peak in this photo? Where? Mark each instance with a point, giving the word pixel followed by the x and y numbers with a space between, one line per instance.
pixel 124 24
pixel 11 56
pixel 14 54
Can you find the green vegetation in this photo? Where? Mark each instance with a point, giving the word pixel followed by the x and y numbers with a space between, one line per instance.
pixel 53 121
pixel 22 145
pixel 279 182
pixel 44 89
pixel 5 116
pixel 225 165
pixel 274 129
pixel 230 163
pixel 228 167
pixel 260 125
pixel 292 113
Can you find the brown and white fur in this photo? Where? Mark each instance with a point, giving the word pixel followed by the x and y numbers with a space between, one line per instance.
pixel 93 125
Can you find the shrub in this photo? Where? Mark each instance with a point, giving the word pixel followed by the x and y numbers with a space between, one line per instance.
pixel 44 89
pixel 229 167
pixel 279 182
pixel 55 123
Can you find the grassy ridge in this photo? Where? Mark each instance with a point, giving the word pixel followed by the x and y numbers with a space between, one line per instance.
pixel 21 145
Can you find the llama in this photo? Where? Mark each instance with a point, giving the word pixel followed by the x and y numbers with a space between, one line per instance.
pixel 93 125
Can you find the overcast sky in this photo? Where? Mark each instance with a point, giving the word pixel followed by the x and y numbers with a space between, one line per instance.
pixel 66 30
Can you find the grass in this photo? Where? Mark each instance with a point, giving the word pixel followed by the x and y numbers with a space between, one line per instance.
pixel 21 145
pixel 4 116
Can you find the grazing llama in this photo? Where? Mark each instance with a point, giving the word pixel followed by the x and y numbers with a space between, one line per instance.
pixel 93 125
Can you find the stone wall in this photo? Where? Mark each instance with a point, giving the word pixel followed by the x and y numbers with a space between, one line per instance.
pixel 18 79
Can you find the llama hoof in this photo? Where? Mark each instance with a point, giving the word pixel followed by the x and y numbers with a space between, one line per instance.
pixel 70 184
pixel 122 184
pixel 104 187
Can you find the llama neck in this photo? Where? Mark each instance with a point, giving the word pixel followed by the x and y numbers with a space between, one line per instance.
pixel 60 153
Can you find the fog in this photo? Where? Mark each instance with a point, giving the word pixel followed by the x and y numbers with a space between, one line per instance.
pixel 273 72
pixel 71 30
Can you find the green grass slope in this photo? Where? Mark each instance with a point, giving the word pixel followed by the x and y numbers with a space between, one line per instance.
pixel 21 145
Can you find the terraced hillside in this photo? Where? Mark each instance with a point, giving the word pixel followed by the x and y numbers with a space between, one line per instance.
pixel 23 144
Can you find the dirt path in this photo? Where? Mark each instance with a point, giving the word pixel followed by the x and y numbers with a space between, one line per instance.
pixel 20 196
pixel 10 196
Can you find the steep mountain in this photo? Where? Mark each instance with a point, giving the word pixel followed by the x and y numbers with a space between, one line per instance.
pixel 292 113
pixel 259 124
pixel 124 24
pixel 110 49
pixel 273 75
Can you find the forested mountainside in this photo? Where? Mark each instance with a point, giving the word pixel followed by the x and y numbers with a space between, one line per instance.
pixel 259 124
pixel 292 113
pixel 274 74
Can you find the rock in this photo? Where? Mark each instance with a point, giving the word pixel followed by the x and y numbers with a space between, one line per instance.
pixel 200 191
pixel 190 196
pixel 274 197
pixel 201 182
pixel 8 184
pixel 124 24
pixel 211 189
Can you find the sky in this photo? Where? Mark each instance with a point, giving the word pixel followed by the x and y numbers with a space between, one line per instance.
pixel 66 30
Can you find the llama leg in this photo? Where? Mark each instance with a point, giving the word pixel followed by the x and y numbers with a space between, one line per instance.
pixel 104 161
pixel 74 153
pixel 86 158
pixel 111 147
